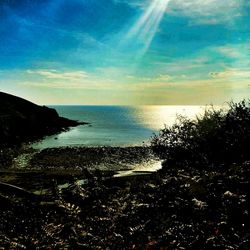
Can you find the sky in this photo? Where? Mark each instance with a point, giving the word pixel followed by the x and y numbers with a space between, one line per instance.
pixel 125 52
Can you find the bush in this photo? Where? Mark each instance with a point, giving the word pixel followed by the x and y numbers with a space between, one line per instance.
pixel 217 137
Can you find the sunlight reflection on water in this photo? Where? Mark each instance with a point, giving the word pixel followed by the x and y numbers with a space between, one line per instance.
pixel 155 117
pixel 116 125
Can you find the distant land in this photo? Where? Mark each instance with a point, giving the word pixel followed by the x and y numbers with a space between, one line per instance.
pixel 22 120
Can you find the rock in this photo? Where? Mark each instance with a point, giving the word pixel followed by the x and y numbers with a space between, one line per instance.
pixel 229 194
pixel 199 204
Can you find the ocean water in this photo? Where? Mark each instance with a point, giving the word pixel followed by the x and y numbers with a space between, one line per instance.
pixel 115 125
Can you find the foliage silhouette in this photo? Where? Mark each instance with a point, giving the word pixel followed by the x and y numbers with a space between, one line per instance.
pixel 217 137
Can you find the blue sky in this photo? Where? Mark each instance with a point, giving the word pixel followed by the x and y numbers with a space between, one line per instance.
pixel 125 51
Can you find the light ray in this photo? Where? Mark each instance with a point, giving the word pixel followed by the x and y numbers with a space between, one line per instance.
pixel 143 19
pixel 144 30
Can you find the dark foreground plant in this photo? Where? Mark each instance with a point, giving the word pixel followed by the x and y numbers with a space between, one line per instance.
pixel 217 137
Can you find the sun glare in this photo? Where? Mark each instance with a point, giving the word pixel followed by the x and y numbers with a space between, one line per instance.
pixel 147 25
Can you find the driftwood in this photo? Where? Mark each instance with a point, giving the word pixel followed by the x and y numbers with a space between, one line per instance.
pixel 6 188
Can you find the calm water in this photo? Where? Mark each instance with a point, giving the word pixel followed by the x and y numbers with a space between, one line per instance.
pixel 115 125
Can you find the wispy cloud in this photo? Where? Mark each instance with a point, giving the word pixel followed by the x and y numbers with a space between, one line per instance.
pixel 86 85
pixel 232 74
pixel 54 74
pixel 180 66
pixel 230 51
pixel 200 11
pixel 237 54
pixel 207 11
pixel 65 80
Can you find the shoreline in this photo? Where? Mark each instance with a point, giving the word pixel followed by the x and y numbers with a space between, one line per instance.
pixel 65 164
pixel 77 158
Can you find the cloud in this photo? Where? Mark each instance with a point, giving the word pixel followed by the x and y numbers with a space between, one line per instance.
pixel 158 89
pixel 163 78
pixel 87 85
pixel 235 51
pixel 200 11
pixel 230 51
pixel 232 73
pixel 54 79
pixel 178 66
pixel 235 55
pixel 207 11
pixel 54 74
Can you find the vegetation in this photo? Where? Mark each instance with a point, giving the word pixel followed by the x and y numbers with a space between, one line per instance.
pixel 217 137
pixel 186 206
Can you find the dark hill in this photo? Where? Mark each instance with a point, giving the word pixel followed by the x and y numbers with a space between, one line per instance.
pixel 22 120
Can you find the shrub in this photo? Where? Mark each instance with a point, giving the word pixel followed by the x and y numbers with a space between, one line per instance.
pixel 218 136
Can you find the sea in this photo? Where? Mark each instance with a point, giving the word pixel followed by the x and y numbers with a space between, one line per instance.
pixel 115 125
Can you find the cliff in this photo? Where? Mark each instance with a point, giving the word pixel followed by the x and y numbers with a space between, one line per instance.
pixel 22 120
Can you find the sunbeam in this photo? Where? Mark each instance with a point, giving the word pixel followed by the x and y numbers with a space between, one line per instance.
pixel 146 27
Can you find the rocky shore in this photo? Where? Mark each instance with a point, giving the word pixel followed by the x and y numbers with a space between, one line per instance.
pixel 92 158
pixel 180 208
